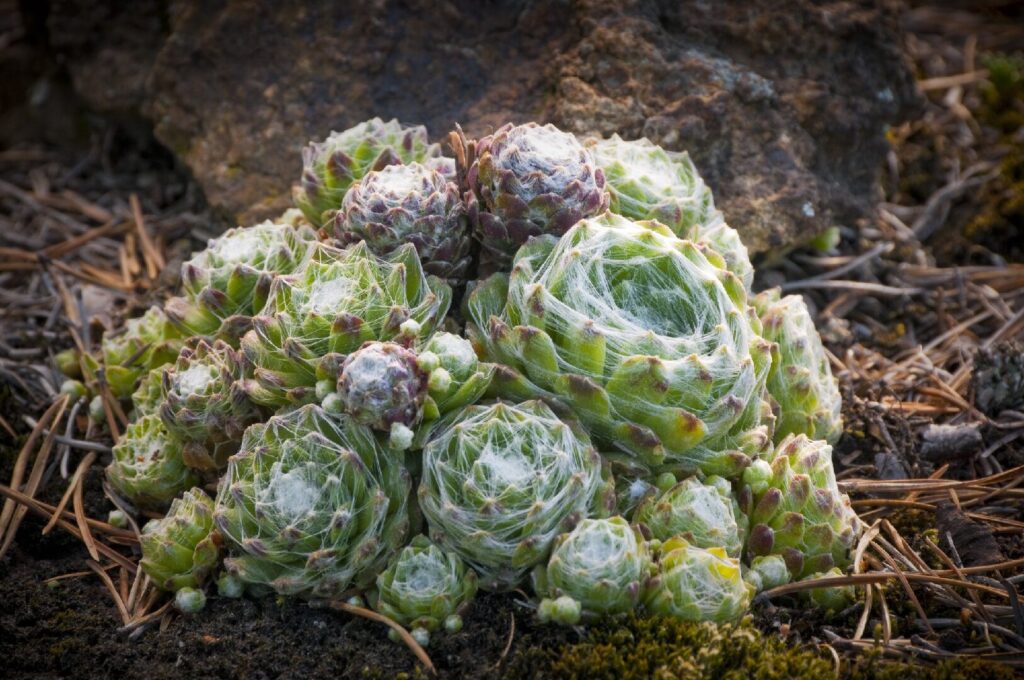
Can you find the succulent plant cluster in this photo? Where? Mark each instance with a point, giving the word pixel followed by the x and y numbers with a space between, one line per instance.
pixel 795 508
pixel 617 416
pixel 599 568
pixel 408 204
pixel 338 301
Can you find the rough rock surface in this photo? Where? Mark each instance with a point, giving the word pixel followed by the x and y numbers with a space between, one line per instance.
pixel 782 105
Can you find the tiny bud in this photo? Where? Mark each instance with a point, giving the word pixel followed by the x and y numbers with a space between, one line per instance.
pixel 566 611
pixel 453 623
pixel 324 388
pixel 118 519
pixel 97 411
pixel 75 389
pixel 544 610
pixel 757 476
pixel 333 403
pixel 428 361
pixel 229 585
pixel 421 635
pixel 401 437
pixel 68 364
pixel 665 481
pixel 826 240
pixel 356 601
pixel 440 381
pixel 410 328
pixel 190 600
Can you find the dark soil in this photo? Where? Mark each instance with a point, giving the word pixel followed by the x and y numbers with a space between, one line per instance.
pixel 71 631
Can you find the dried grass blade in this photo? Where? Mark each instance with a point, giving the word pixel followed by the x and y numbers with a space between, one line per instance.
pixel 83 524
pixel 21 463
pixel 112 588
pixel 76 479
pixel 154 259
pixel 34 478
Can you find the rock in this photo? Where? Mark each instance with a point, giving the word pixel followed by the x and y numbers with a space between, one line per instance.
pixel 973 542
pixel 109 48
pixel 782 105
pixel 941 443
pixel 998 378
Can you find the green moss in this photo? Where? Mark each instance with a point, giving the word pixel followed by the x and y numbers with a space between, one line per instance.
pixel 912 521
pixel 1002 92
pixel 871 666
pixel 1000 219
pixel 668 648
pixel 662 648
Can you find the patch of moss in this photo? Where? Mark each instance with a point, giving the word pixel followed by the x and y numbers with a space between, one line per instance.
pixel 659 647
pixel 1002 92
pixel 872 666
pixel 663 648
pixel 912 521
pixel 1001 217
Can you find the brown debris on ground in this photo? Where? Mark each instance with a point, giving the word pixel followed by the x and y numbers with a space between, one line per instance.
pixel 913 307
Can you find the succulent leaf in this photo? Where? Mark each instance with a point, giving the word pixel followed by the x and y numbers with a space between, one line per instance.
pixel 182 549
pixel 501 481
pixel 424 586
pixel 312 505
pixel 602 564
pixel 147 466
pixel 642 334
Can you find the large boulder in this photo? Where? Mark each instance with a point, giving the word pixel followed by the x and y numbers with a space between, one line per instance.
pixel 782 105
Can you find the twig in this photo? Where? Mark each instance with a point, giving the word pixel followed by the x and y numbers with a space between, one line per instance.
pixel 863 286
